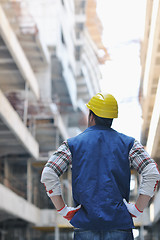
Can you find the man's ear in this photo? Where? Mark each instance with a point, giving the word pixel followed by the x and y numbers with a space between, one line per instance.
pixel 91 116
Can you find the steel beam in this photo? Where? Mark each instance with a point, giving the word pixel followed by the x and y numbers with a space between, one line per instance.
pixel 17 53
pixel 22 209
pixel 17 127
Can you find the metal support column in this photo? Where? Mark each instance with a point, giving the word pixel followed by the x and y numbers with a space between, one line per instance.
pixel 6 172
pixel 28 233
pixel 155 233
pixel 25 113
pixel 57 138
pixel 57 233
pixel 142 232
pixel 29 180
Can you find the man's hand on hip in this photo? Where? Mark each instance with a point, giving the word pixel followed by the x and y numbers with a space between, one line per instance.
pixel 133 209
pixel 68 212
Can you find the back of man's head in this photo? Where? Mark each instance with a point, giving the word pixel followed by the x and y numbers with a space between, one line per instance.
pixel 102 121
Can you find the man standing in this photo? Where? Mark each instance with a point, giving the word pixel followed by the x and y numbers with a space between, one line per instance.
pixel 101 159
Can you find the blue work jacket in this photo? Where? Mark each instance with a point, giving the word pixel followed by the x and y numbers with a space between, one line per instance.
pixel 101 178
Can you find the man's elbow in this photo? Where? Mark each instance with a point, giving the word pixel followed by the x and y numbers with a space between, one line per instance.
pixel 43 175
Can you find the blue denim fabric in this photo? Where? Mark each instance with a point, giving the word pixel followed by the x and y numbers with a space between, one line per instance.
pixel 80 234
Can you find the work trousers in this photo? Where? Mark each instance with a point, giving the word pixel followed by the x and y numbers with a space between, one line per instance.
pixel 80 234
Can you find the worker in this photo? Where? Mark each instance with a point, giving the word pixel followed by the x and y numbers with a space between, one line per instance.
pixel 101 160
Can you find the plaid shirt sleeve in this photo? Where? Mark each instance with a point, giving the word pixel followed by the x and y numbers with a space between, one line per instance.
pixel 60 160
pixel 138 157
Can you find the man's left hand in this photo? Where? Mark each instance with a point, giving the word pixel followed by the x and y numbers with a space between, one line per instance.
pixel 68 212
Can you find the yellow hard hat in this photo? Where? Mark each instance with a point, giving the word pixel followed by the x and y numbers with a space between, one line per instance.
pixel 103 105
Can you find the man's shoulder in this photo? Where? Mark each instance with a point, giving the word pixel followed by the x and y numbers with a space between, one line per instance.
pixel 69 140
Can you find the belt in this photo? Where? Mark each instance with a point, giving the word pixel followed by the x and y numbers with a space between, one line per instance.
pixel 124 230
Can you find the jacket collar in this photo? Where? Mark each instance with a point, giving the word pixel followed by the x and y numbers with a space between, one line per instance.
pixel 97 127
